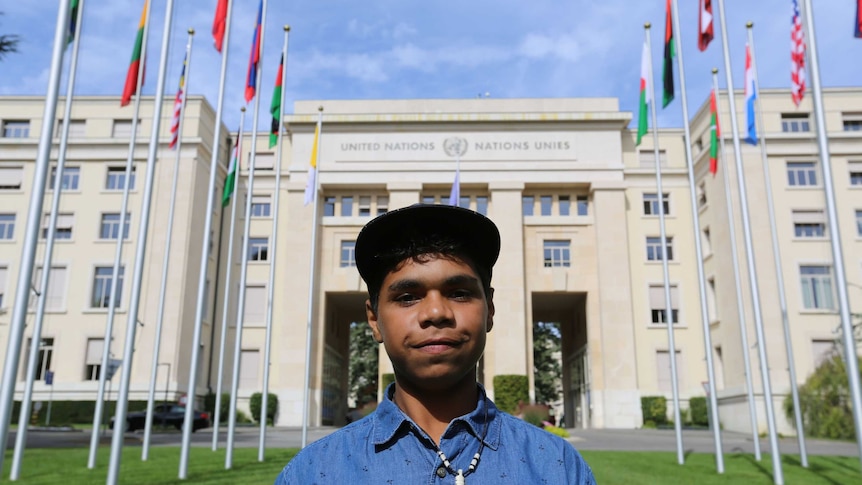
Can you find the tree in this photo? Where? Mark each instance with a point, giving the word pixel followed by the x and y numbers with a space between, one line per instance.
pixel 362 371
pixel 547 370
pixel 8 43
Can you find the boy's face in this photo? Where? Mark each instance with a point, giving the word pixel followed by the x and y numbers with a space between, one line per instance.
pixel 432 317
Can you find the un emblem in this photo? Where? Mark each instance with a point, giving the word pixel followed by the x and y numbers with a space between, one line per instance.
pixel 455 147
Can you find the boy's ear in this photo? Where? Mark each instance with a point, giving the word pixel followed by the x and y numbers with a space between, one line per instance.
pixel 489 323
pixel 372 322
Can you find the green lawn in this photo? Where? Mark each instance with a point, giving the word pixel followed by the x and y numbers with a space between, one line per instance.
pixel 68 466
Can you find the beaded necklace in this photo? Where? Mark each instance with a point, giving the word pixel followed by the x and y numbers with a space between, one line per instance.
pixel 460 475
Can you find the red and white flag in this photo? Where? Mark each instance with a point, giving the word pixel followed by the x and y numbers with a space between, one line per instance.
pixel 797 56
pixel 705 30
pixel 178 108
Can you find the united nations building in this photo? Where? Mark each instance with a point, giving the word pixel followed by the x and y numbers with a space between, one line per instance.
pixel 575 200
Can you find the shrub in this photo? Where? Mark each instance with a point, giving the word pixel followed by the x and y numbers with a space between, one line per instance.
pixel 509 391
pixel 271 407
pixel 556 430
pixel 825 402
pixel 387 379
pixel 535 414
pixel 654 409
pixel 76 412
pixel 699 414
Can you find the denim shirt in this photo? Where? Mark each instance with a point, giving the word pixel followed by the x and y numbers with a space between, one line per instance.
pixel 387 447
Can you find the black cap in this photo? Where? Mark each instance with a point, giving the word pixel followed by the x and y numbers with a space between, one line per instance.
pixel 479 236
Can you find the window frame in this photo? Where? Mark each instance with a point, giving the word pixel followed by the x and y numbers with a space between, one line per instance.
pixel 258 249
pixel 103 280
pixel 114 226
pixel 118 174
pixel 808 170
pixel 557 253
pixel 817 289
pixel 15 129
pixel 7 227
pixel 347 254
pixel 654 249
pixel 650 203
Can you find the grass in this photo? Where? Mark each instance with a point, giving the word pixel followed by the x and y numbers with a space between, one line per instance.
pixel 68 466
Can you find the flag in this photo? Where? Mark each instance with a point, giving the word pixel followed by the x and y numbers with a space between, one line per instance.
pixel 858 20
pixel 750 97
pixel 455 193
pixel 645 95
pixel 714 134
pixel 73 21
pixel 254 58
pixel 705 31
pixel 131 86
pixel 311 181
pixel 219 24
pixel 230 181
pixel 797 57
pixel 178 107
pixel 275 106
pixel 669 53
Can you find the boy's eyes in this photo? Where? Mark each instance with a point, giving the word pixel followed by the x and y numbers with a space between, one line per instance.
pixel 456 294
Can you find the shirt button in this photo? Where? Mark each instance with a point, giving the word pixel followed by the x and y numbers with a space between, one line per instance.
pixel 441 471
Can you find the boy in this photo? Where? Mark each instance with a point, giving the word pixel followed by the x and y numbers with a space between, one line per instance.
pixel 430 303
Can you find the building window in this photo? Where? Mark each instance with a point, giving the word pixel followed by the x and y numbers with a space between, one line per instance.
pixel 852 121
pixel 701 195
pixel 662 358
pixel 557 254
pixel 55 295
pixel 364 206
pixel 16 129
pixel 795 122
pixel 657 303
pixel 63 229
pixel 801 174
pixel 249 364
pixel 46 353
pixel 653 249
pixel 382 204
pixel 429 199
pixel 264 161
pixel 651 204
pixel 583 205
pixel 858 223
pixel 564 202
pixel 816 287
pixel 77 128
pixel 102 278
pixel 464 201
pixel 7 226
pixel 646 158
pixel 855 173
pixel 346 206
pixel 11 178
pixel 116 179
pixel 328 206
pixel 258 248
pixel 711 307
pixel 71 176
pixel 260 206
pixel 348 254
pixel 528 203
pixel 546 203
pixel 110 226
pixel 123 129
pixel 3 271
pixel 254 311
pixel 482 204
pixel 809 223
pixel 706 241
pixel 93 359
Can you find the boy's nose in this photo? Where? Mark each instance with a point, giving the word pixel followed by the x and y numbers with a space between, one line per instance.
pixel 436 309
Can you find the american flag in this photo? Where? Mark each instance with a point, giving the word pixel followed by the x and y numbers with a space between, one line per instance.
pixel 178 108
pixel 797 56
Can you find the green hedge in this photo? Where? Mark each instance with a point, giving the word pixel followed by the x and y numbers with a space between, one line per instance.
pixel 271 407
pixel 654 409
pixel 387 379
pixel 509 391
pixel 827 411
pixel 76 412
pixel 699 414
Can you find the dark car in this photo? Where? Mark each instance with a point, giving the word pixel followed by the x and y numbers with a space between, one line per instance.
pixel 165 415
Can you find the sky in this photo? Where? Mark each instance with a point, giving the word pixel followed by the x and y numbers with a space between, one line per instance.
pixel 404 49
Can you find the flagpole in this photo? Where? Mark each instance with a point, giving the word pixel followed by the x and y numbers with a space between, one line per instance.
pixel 118 255
pixel 118 438
pixel 41 299
pixel 677 421
pixel 311 281
pixel 200 305
pixel 743 330
pixel 779 273
pixel 227 291
pixel 264 405
pixel 701 278
pixel 850 361
pixel 777 472
pixel 157 339
pixel 31 235
pixel 240 317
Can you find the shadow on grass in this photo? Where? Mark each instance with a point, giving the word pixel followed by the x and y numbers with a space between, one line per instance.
pixel 757 465
pixel 839 463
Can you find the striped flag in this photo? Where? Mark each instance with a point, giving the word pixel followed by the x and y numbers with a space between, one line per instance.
pixel 645 95
pixel 219 24
pixel 857 32
pixel 714 134
pixel 750 97
pixel 254 58
pixel 73 22
pixel 178 107
pixel 230 181
pixel 705 29
pixel 311 181
pixel 797 56
pixel 275 106
pixel 669 54
pixel 131 86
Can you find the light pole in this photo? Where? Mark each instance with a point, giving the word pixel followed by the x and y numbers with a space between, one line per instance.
pixel 167 385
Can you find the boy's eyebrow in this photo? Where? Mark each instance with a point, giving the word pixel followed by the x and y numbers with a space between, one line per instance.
pixel 412 284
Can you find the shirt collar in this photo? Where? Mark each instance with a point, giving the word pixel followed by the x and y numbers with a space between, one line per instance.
pixel 390 423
